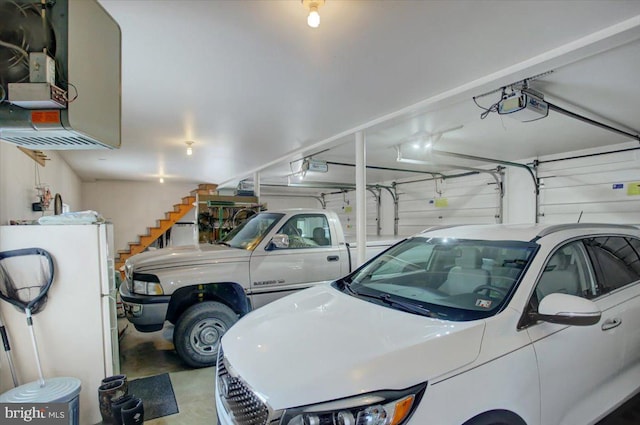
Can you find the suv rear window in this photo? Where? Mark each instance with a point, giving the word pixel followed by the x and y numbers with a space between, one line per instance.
pixel 616 259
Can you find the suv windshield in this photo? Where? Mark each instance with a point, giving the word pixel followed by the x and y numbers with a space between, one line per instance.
pixel 250 233
pixel 451 279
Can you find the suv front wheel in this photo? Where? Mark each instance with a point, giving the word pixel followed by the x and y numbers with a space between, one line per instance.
pixel 198 331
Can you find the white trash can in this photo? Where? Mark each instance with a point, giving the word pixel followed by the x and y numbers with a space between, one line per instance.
pixel 55 390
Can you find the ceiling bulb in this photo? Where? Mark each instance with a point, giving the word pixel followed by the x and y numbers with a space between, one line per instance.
pixel 161 180
pixel 313 20
pixel 189 148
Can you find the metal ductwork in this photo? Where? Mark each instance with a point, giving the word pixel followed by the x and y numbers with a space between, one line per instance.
pixel 72 100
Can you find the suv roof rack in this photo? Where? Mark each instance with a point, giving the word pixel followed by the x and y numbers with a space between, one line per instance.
pixel 569 226
pixel 440 227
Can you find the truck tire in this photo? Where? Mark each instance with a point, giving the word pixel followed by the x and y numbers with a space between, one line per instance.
pixel 198 331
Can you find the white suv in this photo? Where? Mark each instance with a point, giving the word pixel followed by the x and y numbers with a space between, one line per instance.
pixel 473 325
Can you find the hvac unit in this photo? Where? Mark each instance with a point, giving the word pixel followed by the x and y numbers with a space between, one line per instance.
pixel 59 75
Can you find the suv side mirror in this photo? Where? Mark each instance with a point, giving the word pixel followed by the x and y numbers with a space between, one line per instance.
pixel 278 241
pixel 567 309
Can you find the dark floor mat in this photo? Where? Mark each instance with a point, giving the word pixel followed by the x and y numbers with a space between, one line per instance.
pixel 157 395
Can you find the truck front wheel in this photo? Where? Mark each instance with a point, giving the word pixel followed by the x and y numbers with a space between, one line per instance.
pixel 198 331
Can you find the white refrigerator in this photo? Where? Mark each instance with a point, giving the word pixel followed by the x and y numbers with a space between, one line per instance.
pixel 77 332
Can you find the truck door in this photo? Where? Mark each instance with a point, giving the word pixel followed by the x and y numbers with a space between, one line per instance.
pixel 311 257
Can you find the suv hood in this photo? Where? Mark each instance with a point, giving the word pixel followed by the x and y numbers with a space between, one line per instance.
pixel 321 344
pixel 185 256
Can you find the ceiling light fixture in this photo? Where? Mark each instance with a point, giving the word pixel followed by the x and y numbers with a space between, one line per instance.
pixel 189 148
pixel 161 180
pixel 313 20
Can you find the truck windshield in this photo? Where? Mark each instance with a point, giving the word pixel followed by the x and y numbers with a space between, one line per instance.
pixel 450 279
pixel 250 233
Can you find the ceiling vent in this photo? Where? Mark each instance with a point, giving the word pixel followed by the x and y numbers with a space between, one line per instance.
pixel 60 75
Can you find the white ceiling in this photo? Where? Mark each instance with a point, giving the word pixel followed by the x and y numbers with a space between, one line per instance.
pixel 255 88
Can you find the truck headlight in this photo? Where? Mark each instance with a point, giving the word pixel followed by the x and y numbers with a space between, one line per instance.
pixel 146 284
pixel 128 271
pixel 147 288
pixel 379 408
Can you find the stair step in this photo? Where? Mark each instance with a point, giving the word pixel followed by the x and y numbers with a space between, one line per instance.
pixel 173 215
pixel 205 189
pixel 137 249
pixel 164 224
pixel 209 186
pixel 183 209
pixel 147 240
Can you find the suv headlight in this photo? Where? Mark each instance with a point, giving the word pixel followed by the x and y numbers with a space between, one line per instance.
pixel 379 408
pixel 146 284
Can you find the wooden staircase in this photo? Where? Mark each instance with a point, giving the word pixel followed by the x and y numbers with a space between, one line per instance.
pixel 153 233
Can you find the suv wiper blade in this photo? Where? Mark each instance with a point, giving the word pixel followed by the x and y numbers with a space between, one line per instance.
pixel 386 298
pixel 347 285
pixel 225 244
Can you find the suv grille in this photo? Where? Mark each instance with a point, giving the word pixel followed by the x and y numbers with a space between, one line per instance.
pixel 245 407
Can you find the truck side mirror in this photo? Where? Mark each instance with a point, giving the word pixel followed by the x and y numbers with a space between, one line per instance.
pixel 278 241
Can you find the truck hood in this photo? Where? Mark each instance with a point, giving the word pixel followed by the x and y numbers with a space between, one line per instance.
pixel 321 344
pixel 186 256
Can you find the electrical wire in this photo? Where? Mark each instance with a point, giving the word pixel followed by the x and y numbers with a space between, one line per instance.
pixel 19 58
pixel 66 97
pixel 493 108
pixel 16 48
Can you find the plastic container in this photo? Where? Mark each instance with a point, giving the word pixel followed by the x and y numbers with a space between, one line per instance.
pixel 55 390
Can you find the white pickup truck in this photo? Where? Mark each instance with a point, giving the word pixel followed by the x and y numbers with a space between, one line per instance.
pixel 205 289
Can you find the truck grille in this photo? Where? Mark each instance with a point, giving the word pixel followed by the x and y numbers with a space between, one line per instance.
pixel 244 406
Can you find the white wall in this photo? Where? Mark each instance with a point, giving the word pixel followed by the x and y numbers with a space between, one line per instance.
pixel 133 206
pixel 18 181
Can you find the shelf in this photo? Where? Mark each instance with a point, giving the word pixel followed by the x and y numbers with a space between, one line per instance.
pixel 234 200
pixel 218 215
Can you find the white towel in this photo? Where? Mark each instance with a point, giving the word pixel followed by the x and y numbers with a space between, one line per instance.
pixel 78 217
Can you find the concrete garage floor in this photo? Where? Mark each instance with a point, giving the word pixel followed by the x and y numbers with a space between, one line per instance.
pixel 627 414
pixel 148 354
